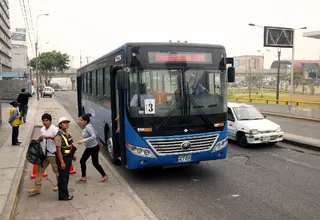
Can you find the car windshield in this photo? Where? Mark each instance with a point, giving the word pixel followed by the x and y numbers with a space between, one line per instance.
pixel 247 113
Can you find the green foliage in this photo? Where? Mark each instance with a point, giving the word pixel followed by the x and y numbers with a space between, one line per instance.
pixel 51 62
pixel 54 61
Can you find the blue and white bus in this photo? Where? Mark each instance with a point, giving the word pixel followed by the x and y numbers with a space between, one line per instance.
pixel 159 104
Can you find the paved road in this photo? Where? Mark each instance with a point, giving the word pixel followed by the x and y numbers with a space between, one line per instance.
pixel 298 127
pixel 257 183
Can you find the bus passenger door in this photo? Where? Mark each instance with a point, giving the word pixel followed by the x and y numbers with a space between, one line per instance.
pixel 79 96
pixel 116 118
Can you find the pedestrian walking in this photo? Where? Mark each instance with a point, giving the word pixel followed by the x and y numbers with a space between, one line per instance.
pixel 91 143
pixel 65 154
pixel 48 133
pixel 23 99
pixel 15 122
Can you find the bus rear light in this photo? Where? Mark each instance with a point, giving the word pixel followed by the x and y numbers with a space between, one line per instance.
pixel 220 145
pixel 178 41
pixel 186 41
pixel 140 151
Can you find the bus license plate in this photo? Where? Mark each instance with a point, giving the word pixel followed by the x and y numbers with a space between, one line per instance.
pixel 184 158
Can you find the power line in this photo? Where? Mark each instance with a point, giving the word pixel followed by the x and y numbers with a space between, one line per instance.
pixel 24 14
pixel 31 20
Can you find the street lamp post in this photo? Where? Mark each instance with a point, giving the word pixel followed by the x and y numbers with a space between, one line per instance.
pixel 36 45
pixel 292 64
pixel 262 72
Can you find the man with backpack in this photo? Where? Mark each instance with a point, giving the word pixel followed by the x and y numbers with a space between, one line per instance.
pixel 48 132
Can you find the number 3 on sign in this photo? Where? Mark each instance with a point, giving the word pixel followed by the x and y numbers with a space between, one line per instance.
pixel 149 106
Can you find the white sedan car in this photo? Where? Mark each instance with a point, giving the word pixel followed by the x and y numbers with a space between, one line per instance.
pixel 247 125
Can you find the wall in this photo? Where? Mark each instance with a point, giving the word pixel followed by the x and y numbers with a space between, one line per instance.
pixel 11 88
pixel 0 110
pixel 19 57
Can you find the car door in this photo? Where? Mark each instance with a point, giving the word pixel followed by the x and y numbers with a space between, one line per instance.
pixel 231 125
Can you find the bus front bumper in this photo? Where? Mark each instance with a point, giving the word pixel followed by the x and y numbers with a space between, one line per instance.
pixel 137 162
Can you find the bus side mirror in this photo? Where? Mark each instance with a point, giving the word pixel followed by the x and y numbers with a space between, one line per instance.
pixel 122 80
pixel 231 74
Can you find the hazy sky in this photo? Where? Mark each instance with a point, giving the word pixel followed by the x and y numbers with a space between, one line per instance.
pixel 97 26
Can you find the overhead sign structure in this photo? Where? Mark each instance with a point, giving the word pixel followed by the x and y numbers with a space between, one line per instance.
pixel 280 37
pixel 21 30
pixel 18 36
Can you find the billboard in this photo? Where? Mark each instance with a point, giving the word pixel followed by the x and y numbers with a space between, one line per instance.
pixel 18 36
pixel 21 30
pixel 278 37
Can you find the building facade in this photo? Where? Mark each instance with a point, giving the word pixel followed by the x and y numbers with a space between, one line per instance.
pixel 5 37
pixel 19 57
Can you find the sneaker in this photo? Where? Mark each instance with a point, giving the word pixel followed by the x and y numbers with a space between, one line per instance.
pixel 34 190
pixel 55 188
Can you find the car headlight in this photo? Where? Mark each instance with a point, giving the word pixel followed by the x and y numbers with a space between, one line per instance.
pixel 220 145
pixel 140 151
pixel 253 132
pixel 278 129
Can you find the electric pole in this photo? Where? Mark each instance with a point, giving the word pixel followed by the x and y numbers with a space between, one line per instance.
pixel 278 76
pixel 80 59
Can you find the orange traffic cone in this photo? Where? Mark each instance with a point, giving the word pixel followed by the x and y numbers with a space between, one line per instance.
pixel 35 170
pixel 72 170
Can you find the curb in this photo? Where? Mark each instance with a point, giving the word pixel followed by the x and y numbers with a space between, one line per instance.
pixel 149 214
pixel 301 144
pixel 13 196
pixel 291 116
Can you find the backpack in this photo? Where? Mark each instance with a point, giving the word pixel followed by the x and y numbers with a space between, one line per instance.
pixel 35 154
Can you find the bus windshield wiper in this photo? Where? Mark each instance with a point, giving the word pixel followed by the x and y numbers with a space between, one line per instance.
pixel 203 115
pixel 169 114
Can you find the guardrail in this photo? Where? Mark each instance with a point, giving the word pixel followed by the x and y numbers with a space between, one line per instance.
pixel 269 101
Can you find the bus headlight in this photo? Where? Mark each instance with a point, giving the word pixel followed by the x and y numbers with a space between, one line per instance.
pixel 278 129
pixel 140 151
pixel 220 145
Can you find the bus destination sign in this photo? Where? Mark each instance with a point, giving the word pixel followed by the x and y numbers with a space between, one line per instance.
pixel 177 57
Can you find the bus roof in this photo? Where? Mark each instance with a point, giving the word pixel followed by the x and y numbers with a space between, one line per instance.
pixel 153 44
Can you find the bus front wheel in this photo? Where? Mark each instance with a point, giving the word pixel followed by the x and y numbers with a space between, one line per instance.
pixel 110 148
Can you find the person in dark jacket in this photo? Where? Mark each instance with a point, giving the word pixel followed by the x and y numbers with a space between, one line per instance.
pixel 23 99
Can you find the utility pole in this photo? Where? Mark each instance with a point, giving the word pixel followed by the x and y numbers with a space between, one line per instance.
pixel 250 78
pixel 278 76
pixel 37 71
pixel 87 59
pixel 80 59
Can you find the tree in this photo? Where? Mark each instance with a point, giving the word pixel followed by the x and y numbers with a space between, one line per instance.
pixel 50 63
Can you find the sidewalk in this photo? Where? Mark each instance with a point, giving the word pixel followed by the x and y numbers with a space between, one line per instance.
pixel 12 160
pixel 311 113
pixel 113 199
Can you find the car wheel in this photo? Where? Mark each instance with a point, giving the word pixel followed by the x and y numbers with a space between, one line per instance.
pixel 242 139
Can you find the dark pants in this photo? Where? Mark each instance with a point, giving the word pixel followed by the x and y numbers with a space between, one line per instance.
pixel 15 134
pixel 23 111
pixel 94 153
pixel 63 178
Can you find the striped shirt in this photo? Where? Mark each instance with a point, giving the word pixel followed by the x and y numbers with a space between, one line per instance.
pixel 89 136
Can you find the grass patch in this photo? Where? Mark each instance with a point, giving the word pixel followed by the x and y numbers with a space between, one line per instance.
pixel 271 97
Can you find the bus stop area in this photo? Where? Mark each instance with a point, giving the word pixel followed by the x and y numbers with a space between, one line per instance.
pixel 113 199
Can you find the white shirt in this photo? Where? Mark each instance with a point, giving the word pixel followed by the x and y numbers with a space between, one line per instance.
pixel 51 145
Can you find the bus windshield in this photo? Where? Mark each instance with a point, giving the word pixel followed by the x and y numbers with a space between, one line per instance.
pixel 190 96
